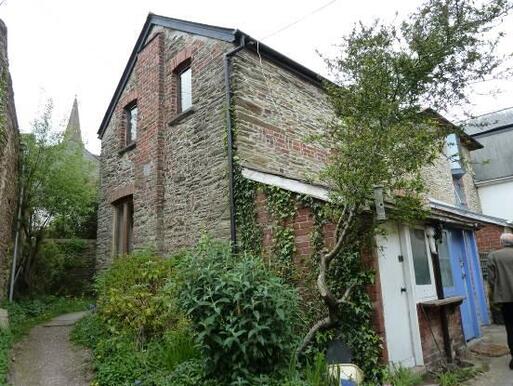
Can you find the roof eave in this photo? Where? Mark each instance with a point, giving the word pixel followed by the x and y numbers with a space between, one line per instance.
pixel 225 34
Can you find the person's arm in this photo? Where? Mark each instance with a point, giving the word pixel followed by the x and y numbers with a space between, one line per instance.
pixel 492 271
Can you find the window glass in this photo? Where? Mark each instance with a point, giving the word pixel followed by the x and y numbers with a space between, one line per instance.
pixel 185 89
pixel 420 257
pixel 453 151
pixel 132 124
pixel 445 262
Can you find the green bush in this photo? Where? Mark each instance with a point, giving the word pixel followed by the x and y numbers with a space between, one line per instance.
pixel 53 265
pixel 138 333
pixel 243 314
pixel 131 298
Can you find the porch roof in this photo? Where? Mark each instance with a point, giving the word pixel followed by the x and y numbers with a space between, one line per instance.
pixel 440 210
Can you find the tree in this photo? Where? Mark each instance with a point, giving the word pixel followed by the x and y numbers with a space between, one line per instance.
pixel 381 134
pixel 58 187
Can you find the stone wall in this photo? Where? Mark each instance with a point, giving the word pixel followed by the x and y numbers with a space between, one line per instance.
pixel 275 113
pixel 177 171
pixel 9 148
pixel 438 180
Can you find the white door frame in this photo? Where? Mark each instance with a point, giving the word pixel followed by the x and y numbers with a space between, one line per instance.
pixel 409 275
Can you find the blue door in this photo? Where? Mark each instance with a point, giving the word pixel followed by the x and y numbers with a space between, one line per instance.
pixel 463 263
pixel 476 277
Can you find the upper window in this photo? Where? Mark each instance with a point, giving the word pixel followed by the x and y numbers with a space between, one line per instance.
pixel 453 152
pixel 184 98
pixel 131 123
pixel 459 191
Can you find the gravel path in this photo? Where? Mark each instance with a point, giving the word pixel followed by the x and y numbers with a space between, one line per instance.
pixel 47 358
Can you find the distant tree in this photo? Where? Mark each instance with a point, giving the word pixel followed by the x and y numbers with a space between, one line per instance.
pixel 385 75
pixel 57 188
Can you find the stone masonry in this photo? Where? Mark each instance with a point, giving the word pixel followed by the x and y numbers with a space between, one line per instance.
pixel 9 148
pixel 177 171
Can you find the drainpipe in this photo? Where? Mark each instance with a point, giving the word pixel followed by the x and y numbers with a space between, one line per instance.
pixel 18 224
pixel 229 127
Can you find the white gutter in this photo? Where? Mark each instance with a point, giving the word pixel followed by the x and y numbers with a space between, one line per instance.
pixel 290 184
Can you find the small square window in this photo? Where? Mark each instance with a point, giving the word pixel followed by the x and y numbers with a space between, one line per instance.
pixel 131 123
pixel 184 89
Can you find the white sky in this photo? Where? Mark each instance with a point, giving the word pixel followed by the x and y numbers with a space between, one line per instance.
pixel 59 48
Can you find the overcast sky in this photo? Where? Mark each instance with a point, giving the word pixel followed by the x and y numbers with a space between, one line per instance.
pixel 59 48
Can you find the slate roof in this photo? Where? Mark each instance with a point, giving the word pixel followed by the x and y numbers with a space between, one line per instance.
pixel 495 131
pixel 489 122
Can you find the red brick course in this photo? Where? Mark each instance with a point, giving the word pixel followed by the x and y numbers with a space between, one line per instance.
pixel 431 333
pixel 488 238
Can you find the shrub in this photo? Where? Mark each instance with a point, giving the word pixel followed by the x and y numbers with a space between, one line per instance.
pixel 244 315
pixel 130 296
pixel 55 265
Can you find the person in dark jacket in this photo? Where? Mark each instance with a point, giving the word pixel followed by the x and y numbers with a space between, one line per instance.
pixel 500 277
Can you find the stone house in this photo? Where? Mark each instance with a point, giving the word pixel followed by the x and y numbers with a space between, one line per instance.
pixel 200 110
pixel 9 157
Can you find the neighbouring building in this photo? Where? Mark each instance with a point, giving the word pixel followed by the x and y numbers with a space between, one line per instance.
pixel 198 108
pixel 9 163
pixel 493 164
pixel 73 136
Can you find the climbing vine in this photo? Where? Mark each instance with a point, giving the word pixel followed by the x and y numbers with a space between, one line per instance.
pixel 281 206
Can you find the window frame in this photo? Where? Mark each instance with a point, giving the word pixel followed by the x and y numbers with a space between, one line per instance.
pixel 127 112
pixel 422 292
pixel 123 225
pixel 179 71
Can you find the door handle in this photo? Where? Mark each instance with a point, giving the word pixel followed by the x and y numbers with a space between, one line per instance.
pixel 403 289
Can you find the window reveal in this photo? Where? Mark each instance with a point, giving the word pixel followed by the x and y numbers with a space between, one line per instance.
pixel 123 225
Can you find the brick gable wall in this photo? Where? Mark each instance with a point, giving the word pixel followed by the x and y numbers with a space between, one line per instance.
pixel 177 171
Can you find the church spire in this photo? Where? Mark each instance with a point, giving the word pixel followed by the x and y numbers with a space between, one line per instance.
pixel 72 132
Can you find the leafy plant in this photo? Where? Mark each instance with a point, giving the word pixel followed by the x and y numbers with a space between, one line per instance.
pixel 457 376
pixel 131 297
pixel 55 263
pixel 57 187
pixel 402 376
pixel 244 315
pixel 381 134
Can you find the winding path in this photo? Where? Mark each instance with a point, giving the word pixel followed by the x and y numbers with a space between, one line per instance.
pixel 47 358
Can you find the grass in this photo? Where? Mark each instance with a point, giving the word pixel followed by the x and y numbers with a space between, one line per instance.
pixel 403 377
pixel 457 376
pixel 27 313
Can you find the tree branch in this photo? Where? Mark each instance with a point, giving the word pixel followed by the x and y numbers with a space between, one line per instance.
pixel 322 324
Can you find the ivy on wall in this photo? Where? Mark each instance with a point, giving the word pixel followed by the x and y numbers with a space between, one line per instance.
pixel 282 206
